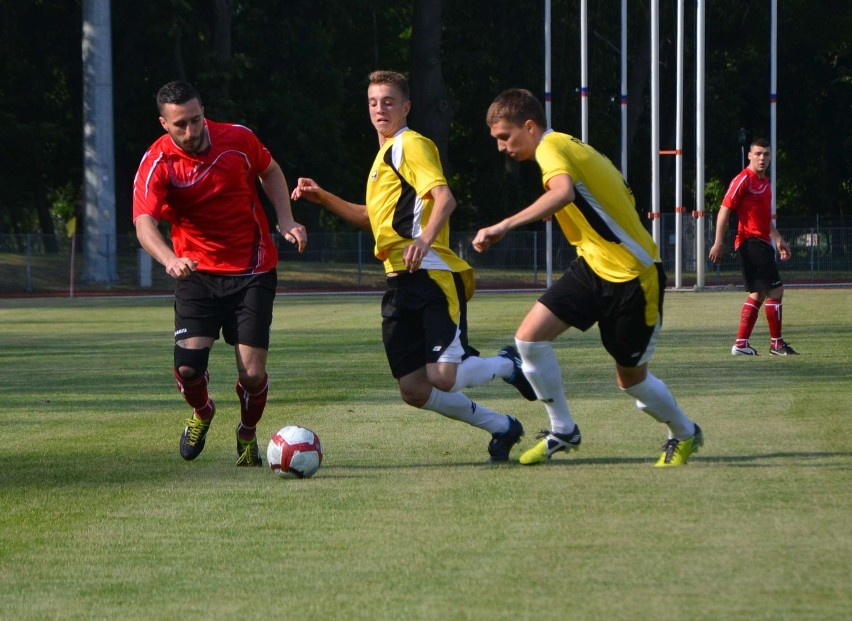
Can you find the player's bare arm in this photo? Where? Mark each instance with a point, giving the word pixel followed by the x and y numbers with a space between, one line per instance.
pixel 275 185
pixel 351 212
pixel 560 192
pixel 443 207
pixel 718 248
pixel 782 246
pixel 152 241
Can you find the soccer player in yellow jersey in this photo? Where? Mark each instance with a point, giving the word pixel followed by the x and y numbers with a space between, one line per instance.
pixel 424 311
pixel 617 280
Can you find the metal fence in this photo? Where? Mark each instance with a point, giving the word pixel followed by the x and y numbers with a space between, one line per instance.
pixel 37 264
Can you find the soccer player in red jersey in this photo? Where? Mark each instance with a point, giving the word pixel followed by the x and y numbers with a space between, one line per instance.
pixel 750 197
pixel 200 178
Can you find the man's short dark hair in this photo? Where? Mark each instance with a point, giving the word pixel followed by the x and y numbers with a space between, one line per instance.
pixel 759 142
pixel 176 92
pixel 516 106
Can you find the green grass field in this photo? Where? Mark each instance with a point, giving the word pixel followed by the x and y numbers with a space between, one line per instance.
pixel 102 519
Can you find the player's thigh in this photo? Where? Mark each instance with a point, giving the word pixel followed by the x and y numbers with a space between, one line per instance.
pixel 402 330
pixel 250 318
pixel 199 311
pixel 251 362
pixel 540 324
pixel 630 325
pixel 758 265
pixel 570 301
pixel 419 322
pixel 445 318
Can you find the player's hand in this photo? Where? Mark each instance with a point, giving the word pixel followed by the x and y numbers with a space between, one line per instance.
pixel 181 267
pixel 784 249
pixel 716 252
pixel 487 237
pixel 296 234
pixel 308 189
pixel 413 255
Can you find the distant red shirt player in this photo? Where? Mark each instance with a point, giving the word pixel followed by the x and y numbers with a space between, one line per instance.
pixel 200 178
pixel 750 196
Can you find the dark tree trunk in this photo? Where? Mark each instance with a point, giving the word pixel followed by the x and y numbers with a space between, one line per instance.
pixel 45 223
pixel 432 110
pixel 222 46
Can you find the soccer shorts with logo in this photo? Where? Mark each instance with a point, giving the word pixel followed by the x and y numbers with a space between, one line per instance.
pixel 239 306
pixel 628 314
pixel 424 319
pixel 758 264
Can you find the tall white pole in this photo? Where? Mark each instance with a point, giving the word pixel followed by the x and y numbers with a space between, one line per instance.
pixel 655 121
pixel 548 105
pixel 98 149
pixel 773 97
pixel 699 145
pixel 584 70
pixel 679 208
pixel 624 89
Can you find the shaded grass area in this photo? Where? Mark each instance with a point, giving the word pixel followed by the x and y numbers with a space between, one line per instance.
pixel 102 519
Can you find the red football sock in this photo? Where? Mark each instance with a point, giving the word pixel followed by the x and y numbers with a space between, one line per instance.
pixel 748 317
pixel 251 407
pixel 194 391
pixel 773 318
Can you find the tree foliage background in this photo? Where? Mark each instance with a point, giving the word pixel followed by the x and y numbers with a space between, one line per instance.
pixel 295 72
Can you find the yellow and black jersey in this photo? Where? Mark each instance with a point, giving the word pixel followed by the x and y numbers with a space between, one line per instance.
pixel 404 172
pixel 602 222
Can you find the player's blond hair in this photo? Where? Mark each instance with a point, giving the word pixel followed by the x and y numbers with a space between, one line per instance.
pixel 392 78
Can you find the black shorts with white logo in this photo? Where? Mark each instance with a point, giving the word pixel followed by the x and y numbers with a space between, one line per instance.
pixel 628 314
pixel 424 319
pixel 239 306
pixel 758 264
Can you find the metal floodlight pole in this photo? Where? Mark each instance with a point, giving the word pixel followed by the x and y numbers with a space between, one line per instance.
pixel 98 149
pixel 584 71
pixel 655 121
pixel 548 96
pixel 679 208
pixel 699 145
pixel 773 99
pixel 624 89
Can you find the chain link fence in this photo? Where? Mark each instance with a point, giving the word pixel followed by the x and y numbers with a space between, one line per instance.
pixel 41 265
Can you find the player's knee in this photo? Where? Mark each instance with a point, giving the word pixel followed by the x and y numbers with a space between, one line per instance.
pixel 442 376
pixel 253 380
pixel 191 363
pixel 415 396
pixel 444 383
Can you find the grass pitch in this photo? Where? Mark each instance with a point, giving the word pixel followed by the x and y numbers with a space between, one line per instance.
pixel 102 519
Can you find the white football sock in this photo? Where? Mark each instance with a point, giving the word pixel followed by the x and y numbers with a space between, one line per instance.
pixel 544 375
pixel 475 371
pixel 459 407
pixel 654 398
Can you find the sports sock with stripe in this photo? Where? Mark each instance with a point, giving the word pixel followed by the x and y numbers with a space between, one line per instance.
pixel 458 406
pixel 545 376
pixel 654 398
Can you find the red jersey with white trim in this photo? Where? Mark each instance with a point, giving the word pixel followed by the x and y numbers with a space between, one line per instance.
pixel 210 199
pixel 750 196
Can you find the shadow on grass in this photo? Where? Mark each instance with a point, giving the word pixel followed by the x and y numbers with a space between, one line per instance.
pixel 807 458
pixel 96 470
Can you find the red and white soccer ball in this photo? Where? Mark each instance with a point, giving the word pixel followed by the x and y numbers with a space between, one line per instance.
pixel 294 452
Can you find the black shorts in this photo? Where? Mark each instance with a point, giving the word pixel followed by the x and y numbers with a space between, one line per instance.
pixel 758 264
pixel 239 306
pixel 628 314
pixel 424 319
